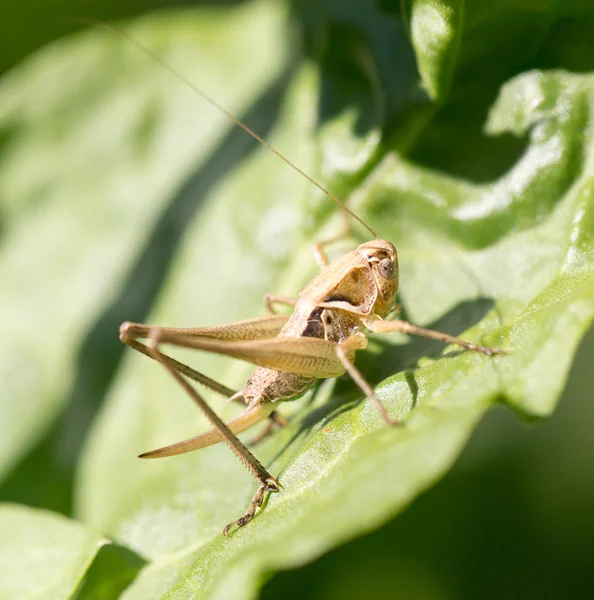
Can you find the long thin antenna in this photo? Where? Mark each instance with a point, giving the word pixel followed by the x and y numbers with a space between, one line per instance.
pixel 148 52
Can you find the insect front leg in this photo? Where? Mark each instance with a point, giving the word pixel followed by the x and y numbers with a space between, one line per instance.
pixel 271 299
pixel 268 484
pixel 258 328
pixel 343 349
pixel 318 248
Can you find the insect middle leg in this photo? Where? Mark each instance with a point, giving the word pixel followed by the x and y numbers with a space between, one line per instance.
pixel 380 326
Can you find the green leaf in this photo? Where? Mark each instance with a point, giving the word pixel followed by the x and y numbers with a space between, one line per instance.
pixel 436 29
pixel 461 42
pixel 87 167
pixel 43 555
pixel 508 263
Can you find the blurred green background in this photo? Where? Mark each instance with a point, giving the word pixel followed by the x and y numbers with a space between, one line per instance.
pixel 26 26
pixel 515 517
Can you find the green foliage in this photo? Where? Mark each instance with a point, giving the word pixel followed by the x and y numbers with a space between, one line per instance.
pixel 43 555
pixel 108 163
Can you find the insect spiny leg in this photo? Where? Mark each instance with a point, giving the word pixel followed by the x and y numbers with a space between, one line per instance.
pixel 270 485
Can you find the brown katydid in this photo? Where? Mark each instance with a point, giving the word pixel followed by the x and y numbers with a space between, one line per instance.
pixel 317 340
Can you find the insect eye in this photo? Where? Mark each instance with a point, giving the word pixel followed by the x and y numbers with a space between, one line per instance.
pixel 386 268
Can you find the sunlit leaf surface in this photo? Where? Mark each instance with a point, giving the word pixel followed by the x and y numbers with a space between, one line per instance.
pixel 494 245
pixel 43 555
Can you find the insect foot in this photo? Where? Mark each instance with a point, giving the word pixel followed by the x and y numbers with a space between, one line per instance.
pixel 270 485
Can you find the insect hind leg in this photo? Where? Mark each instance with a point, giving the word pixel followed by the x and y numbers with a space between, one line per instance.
pixel 127 336
pixel 268 484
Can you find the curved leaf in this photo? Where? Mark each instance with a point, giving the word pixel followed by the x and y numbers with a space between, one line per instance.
pixel 43 555
pixel 507 262
pixel 461 42
pixel 436 28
